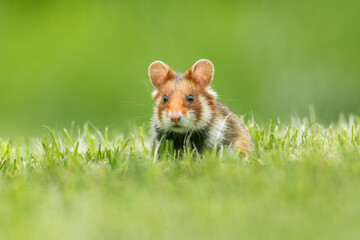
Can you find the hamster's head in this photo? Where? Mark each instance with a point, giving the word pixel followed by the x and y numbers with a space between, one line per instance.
pixel 184 102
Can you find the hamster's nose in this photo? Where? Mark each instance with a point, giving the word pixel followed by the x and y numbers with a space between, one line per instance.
pixel 175 119
pixel 175 116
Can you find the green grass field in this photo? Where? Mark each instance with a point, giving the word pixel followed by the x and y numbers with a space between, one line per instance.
pixel 302 182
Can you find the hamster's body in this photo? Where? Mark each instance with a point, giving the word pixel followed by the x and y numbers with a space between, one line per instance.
pixel 188 113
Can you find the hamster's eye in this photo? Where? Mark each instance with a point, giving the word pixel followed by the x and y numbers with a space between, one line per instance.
pixel 190 98
pixel 166 98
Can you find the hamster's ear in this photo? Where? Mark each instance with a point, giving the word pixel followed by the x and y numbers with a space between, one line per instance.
pixel 159 73
pixel 202 72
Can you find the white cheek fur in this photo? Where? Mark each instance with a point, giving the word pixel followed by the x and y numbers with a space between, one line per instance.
pixel 206 114
pixel 153 94
pixel 211 92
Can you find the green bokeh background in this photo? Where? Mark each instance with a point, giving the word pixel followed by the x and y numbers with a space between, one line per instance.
pixel 65 61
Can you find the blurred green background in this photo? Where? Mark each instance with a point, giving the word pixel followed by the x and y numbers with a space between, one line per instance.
pixel 64 61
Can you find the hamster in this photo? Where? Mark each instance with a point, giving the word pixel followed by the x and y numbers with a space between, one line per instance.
pixel 188 113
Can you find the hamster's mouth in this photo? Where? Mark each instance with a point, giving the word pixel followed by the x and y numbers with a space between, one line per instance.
pixel 178 128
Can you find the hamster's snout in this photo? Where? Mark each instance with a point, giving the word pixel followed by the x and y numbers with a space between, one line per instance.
pixel 175 116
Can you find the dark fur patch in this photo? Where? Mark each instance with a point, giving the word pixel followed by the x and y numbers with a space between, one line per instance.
pixel 181 141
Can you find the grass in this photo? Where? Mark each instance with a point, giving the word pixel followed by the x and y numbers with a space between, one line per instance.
pixel 302 182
